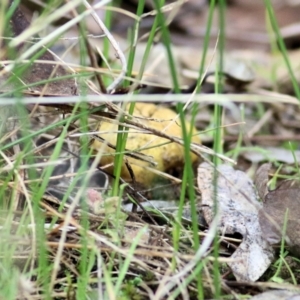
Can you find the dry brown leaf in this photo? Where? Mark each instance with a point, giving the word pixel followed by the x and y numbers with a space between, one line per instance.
pixel 281 206
pixel 238 204
pixel 165 155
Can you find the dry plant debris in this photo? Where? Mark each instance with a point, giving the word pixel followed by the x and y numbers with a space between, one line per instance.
pixel 271 154
pixel 232 194
pixel 277 295
pixel 261 225
pixel 281 208
pixel 165 154
pixel 46 69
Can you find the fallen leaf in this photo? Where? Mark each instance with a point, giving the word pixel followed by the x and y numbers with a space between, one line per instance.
pixel 278 295
pixel 237 201
pixel 271 154
pixel 281 206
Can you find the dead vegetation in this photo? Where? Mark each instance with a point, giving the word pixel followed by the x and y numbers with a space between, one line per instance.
pixel 70 228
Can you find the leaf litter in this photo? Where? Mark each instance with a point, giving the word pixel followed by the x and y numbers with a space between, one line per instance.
pixel 281 209
pixel 236 197
pixel 233 194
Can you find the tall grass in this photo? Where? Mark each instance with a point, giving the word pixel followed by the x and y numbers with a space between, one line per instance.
pixel 25 220
pixel 282 47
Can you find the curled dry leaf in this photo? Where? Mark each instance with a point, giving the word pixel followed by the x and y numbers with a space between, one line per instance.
pixel 166 155
pixel 281 206
pixel 237 201
pixel 239 70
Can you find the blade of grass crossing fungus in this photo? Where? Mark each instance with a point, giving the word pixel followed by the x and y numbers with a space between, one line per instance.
pixel 188 171
pixel 122 137
pixel 195 108
pixel 188 176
